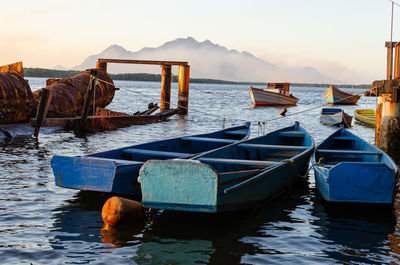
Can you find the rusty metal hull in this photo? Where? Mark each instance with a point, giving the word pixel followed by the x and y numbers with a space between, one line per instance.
pixel 102 123
pixel 69 94
pixel 16 100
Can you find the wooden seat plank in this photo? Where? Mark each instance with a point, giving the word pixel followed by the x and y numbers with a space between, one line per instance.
pixel 206 139
pixel 349 152
pixel 136 151
pixel 292 134
pixel 273 147
pixel 237 161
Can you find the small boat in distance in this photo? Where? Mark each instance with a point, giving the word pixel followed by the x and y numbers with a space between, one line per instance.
pixel 366 116
pixel 349 169
pixel 116 171
pixel 232 178
pixel 335 117
pixel 276 94
pixel 334 95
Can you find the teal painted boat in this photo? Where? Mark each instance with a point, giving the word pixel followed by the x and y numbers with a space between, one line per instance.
pixel 350 170
pixel 116 171
pixel 236 177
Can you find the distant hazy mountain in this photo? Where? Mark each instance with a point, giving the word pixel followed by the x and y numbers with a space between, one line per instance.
pixel 59 67
pixel 206 60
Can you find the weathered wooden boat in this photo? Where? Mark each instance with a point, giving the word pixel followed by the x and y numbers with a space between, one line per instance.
pixel 366 116
pixel 116 171
pixel 349 169
pixel 107 120
pixel 334 95
pixel 276 94
pixel 335 117
pixel 236 177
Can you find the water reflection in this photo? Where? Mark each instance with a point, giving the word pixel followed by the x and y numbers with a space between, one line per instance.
pixel 211 234
pixel 355 233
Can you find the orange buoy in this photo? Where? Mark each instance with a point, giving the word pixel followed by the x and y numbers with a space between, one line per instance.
pixel 119 210
pixel 283 112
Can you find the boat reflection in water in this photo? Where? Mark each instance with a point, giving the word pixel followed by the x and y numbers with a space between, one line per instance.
pixel 293 228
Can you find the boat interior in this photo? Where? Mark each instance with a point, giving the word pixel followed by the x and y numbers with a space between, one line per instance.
pixel 256 154
pixel 346 148
pixel 184 147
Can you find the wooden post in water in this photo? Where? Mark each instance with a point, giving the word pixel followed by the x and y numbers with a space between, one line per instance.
pixel 165 87
pixel 389 131
pixel 101 66
pixel 183 91
pixel 88 98
pixel 44 102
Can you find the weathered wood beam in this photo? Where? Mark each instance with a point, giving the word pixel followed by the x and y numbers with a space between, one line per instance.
pixel 141 62
pixel 89 97
pixel 44 102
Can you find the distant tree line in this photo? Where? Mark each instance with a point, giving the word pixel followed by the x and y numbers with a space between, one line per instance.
pixel 50 73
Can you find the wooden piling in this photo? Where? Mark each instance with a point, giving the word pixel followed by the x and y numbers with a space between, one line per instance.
pixel 89 97
pixel 389 61
pixel 165 87
pixel 101 66
pixel 44 102
pixel 183 90
pixel 390 129
pixel 396 61
pixel 378 121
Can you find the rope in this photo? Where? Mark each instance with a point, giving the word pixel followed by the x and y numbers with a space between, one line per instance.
pixel 220 116
pixel 216 93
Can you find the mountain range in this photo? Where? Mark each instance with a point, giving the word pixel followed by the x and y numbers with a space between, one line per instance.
pixel 206 60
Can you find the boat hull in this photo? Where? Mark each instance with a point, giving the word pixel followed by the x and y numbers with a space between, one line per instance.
pixel 343 183
pixel 335 118
pixel 97 174
pixel 261 97
pixel 171 188
pixel 366 116
pixel 350 170
pixel 232 178
pixel 334 95
pixel 116 171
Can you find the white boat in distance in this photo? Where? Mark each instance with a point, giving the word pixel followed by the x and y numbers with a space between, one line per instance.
pixel 276 94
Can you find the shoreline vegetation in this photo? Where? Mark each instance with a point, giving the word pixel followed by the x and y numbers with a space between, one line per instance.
pixel 50 73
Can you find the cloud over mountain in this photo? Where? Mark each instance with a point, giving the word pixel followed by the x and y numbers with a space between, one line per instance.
pixel 207 60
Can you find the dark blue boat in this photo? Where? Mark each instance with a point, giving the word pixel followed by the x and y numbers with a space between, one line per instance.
pixel 116 171
pixel 348 169
pixel 335 117
pixel 231 178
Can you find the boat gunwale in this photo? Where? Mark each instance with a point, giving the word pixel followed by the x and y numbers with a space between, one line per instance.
pixel 394 168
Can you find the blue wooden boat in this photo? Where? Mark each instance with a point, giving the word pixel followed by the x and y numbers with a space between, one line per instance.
pixel 236 177
pixel 335 117
pixel 116 171
pixel 348 169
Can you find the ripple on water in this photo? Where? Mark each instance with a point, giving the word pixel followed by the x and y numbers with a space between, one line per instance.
pixel 44 224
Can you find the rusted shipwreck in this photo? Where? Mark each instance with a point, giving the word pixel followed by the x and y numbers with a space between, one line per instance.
pixel 68 102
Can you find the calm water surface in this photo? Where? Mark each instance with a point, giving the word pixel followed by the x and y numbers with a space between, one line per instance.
pixel 44 224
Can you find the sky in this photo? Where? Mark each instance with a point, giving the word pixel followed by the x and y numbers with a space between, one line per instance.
pixel 341 38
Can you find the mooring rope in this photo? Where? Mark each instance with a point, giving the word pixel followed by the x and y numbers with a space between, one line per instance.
pixel 224 117
pixel 216 93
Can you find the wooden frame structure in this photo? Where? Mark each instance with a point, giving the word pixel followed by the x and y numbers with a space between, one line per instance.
pixel 166 79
